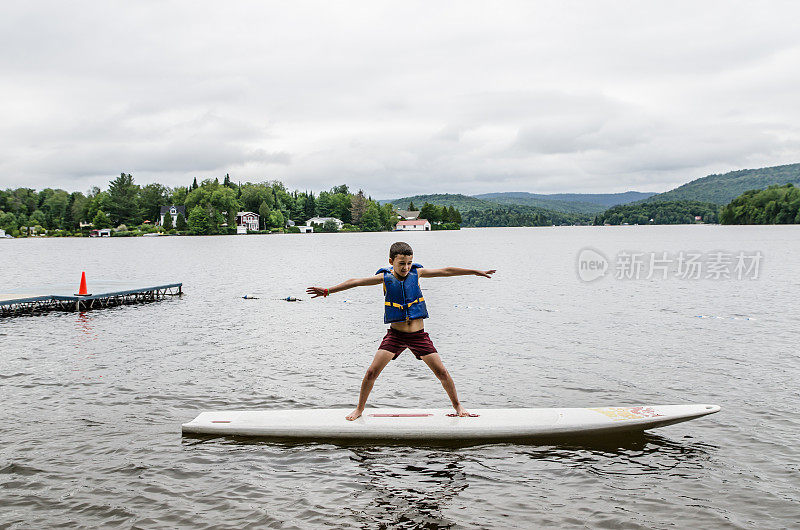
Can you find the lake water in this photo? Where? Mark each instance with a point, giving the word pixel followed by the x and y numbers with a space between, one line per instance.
pixel 92 403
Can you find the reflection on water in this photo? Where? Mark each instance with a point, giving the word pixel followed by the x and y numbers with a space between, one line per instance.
pixel 84 326
pixel 638 454
pixel 408 488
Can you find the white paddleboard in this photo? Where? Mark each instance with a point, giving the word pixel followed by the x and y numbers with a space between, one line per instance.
pixel 439 424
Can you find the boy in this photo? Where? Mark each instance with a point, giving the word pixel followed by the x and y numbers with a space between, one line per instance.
pixel 404 310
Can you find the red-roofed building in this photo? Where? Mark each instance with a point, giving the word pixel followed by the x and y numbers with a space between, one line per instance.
pixel 415 225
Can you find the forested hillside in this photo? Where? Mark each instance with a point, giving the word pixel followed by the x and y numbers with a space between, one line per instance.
pixel 661 213
pixel 519 199
pixel 774 205
pixel 478 212
pixel 567 202
pixel 721 189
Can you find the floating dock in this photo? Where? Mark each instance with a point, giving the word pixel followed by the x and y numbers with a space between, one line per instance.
pixel 110 294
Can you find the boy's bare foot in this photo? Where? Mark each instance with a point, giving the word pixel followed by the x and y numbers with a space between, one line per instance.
pixel 354 415
pixel 461 411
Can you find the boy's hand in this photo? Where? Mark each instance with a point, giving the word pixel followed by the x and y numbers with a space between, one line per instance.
pixel 317 291
pixel 485 274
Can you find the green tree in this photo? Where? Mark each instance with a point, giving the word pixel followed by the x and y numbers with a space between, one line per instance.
pixel 310 206
pixel 79 208
pixel 167 226
pixel 101 220
pixel 199 222
pixel 330 226
pixel 341 208
pixel 252 195
pixel 428 211
pixel 180 223
pixel 37 218
pixel 325 205
pixel 54 204
pixel 456 216
pixel 276 219
pixel 8 222
pixel 122 200
pixel 371 220
pixel 264 212
pixel 411 207
pixel 151 198
pixel 385 216
pixel 179 196
pixel 224 200
pixel 23 201
pixel 358 205
pixel 68 221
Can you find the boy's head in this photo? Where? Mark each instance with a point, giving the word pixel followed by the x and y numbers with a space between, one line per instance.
pixel 400 258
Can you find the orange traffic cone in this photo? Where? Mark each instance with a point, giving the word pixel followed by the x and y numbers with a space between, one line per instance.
pixel 83 291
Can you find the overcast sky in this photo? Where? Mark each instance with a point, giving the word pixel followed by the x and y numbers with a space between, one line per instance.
pixel 397 98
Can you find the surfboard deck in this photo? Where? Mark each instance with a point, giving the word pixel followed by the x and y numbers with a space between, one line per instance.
pixel 440 424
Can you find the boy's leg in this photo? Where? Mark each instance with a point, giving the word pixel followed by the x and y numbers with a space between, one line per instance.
pixel 435 363
pixel 379 362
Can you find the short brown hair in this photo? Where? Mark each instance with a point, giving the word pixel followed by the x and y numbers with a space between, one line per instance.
pixel 400 248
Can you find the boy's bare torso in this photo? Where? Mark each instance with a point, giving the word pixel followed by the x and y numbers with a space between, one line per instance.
pixel 409 326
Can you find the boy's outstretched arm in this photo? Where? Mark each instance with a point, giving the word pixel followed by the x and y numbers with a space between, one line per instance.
pixel 453 271
pixel 348 284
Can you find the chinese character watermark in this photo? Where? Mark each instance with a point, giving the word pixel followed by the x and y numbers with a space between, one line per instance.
pixel 684 265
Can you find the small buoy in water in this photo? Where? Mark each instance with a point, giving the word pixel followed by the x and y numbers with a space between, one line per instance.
pixel 249 297
pixel 291 299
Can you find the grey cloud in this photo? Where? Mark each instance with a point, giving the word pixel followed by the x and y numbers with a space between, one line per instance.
pixel 418 97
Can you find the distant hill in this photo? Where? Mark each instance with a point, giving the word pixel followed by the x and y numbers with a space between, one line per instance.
pixel 479 212
pixel 587 208
pixel 660 213
pixel 722 189
pixel 461 202
pixel 774 205
pixel 587 203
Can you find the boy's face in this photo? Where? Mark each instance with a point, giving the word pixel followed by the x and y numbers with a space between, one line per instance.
pixel 401 264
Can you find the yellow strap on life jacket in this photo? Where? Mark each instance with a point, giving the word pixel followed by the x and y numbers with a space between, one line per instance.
pixel 400 306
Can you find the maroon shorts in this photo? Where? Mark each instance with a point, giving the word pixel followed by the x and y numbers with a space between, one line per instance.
pixel 397 341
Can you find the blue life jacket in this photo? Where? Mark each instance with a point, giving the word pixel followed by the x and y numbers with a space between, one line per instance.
pixel 404 299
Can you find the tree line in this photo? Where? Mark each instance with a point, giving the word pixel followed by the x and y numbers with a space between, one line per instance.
pixel 211 207
pixel 659 213
pixel 479 213
pixel 438 214
pixel 514 215
pixel 774 205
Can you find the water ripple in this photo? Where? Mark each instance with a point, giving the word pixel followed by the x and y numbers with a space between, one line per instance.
pixel 92 403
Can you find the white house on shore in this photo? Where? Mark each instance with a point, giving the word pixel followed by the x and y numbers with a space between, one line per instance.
pixel 321 221
pixel 173 211
pixel 247 221
pixel 418 225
